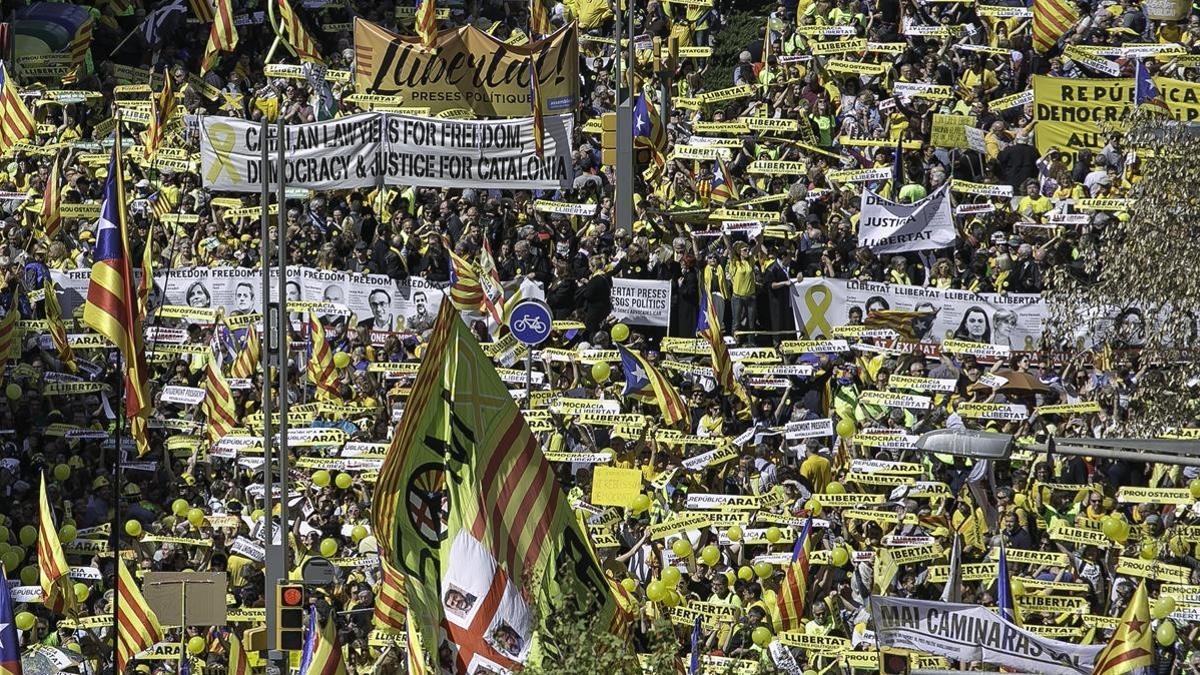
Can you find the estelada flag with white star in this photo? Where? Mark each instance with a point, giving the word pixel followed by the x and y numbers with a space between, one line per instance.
pixel 10 650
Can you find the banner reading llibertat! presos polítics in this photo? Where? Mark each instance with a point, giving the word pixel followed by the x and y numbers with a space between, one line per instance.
pixel 468 69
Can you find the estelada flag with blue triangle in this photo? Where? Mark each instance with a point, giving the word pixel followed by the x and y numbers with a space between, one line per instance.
pixel 10 648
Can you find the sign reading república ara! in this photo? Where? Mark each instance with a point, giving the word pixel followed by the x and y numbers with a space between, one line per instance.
pixel 357 151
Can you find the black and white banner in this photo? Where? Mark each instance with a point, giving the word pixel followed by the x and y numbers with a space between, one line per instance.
pixel 974 633
pixel 361 150
pixel 885 226
pixel 641 302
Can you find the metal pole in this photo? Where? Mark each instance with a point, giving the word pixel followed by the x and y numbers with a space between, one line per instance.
pixel 529 379
pixel 624 166
pixel 1126 455
pixel 275 570
pixel 284 369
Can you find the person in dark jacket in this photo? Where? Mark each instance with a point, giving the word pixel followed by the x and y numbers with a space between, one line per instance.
pixel 1018 162
pixel 594 296
pixel 560 294
pixel 685 297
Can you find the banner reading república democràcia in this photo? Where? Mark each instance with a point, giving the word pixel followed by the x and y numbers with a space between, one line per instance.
pixel 1076 112
pixel 974 633
pixel 359 150
pixel 468 68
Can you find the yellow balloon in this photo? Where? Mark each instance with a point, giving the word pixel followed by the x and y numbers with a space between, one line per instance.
pixel 601 372
pixel 66 533
pixel 761 636
pixel 745 573
pixel 341 360
pixel 640 503
pixel 133 528
pixel 13 391
pixel 195 516
pixel 329 548
pixel 710 554
pixel 620 332
pixel 813 506
pixel 629 584
pixel 763 570
pixel 1194 488
pixel 81 592
pixel 774 534
pixel 734 533
pixel 1163 607
pixel 358 533
pixel 321 478
pixel 1149 550
pixel 195 645
pixel 343 481
pixel 671 577
pixel 180 507
pixel 840 556
pixel 25 620
pixel 681 548
pixel 655 590
pixel 1165 634
pixel 672 598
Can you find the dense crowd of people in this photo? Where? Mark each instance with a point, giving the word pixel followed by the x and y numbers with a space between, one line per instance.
pixel 829 426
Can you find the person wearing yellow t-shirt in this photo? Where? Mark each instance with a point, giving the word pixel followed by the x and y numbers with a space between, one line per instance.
pixel 816 469
pixel 742 285
pixel 1034 204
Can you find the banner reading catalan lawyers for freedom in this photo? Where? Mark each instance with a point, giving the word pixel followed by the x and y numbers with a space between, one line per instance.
pixel 356 151
pixel 468 69
pixel 888 227
pixel 975 633
pixel 1074 113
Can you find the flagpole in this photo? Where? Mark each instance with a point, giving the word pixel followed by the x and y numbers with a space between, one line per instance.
pixel 120 413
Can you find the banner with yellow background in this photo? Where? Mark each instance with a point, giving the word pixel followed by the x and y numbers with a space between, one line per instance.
pixel 467 69
pixel 1073 113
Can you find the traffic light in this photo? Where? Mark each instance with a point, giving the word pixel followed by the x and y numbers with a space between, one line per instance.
pixel 289 628
pixel 608 139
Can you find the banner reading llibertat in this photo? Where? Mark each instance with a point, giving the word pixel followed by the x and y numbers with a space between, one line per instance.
pixel 468 69
pixel 361 150
pixel 1010 320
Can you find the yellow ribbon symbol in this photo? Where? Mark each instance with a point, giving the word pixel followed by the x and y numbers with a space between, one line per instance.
pixel 222 138
pixel 817 325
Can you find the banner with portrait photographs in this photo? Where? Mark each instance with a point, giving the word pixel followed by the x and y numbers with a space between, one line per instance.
pixel 373 301
pixel 1014 320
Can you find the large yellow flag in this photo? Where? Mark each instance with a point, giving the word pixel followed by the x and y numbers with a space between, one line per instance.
pixel 1131 647
pixel 468 509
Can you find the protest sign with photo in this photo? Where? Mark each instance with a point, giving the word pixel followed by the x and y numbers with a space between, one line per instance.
pixel 1013 320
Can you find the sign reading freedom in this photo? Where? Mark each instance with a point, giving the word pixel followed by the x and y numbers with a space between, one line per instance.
pixel 361 150
pixel 468 69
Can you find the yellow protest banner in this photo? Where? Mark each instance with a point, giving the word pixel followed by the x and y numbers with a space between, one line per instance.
pixel 1136 495
pixel 1153 569
pixel 950 131
pixel 615 487
pixel 468 69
